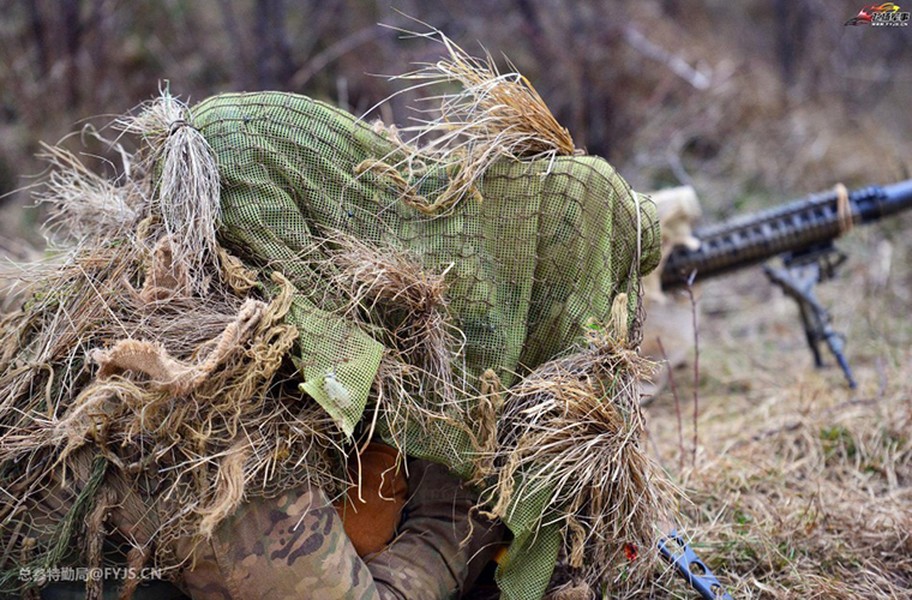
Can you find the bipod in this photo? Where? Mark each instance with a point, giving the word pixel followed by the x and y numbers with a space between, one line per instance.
pixel 675 550
pixel 801 272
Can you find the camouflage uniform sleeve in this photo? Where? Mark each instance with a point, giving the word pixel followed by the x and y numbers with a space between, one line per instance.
pixel 294 546
pixel 291 546
pixel 442 546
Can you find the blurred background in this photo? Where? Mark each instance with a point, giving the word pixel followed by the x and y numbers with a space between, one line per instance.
pixel 750 101
pixel 799 485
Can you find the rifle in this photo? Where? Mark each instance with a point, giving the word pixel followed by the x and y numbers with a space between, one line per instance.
pixel 803 233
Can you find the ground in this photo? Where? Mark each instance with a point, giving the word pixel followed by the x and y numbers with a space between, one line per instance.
pixel 799 487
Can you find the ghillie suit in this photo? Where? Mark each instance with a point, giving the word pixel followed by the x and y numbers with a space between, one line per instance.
pixel 275 281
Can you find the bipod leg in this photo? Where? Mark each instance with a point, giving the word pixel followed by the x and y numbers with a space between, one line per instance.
pixel 675 550
pixel 798 283
pixel 811 327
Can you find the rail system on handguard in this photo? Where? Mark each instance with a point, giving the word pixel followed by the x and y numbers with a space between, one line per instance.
pixel 802 232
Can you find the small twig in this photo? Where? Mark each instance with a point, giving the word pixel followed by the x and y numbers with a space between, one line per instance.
pixel 881 378
pixel 677 65
pixel 696 394
pixel 337 50
pixel 673 156
pixel 677 399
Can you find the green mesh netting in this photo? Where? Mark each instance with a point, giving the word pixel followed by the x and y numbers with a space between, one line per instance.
pixel 545 250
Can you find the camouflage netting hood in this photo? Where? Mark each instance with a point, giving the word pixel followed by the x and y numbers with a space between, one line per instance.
pixel 276 281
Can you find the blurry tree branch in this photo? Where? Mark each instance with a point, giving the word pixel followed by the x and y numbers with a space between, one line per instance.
pixel 336 50
pixel 789 36
pixel 36 23
pixel 73 27
pixel 239 47
pixel 273 62
pixel 673 62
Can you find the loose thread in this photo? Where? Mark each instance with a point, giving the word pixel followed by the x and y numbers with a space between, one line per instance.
pixel 696 384
pixel 677 399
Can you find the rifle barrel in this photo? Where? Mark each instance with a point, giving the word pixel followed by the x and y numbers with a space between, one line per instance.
pixel 792 227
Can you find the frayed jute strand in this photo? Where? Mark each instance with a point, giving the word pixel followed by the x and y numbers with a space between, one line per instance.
pixel 229 491
pixel 188 191
pixel 168 374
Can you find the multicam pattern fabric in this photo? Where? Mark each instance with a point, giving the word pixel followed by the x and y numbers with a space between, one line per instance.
pixel 294 546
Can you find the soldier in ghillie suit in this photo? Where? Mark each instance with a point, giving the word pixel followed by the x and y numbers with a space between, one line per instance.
pixel 282 318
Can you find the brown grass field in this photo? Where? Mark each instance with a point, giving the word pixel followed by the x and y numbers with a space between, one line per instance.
pixel 799 487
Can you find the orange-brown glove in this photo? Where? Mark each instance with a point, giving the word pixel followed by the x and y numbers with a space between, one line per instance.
pixel 370 516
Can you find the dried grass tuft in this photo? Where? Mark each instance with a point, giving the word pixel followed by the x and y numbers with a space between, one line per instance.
pixel 187 198
pixel 83 204
pixel 390 292
pixel 491 116
pixel 173 377
pixel 575 424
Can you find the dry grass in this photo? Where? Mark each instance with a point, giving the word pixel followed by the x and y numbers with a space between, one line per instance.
pixel 84 205
pixel 574 428
pixel 801 487
pixel 187 197
pixel 387 289
pixel 174 375
pixel 421 380
pixel 482 116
